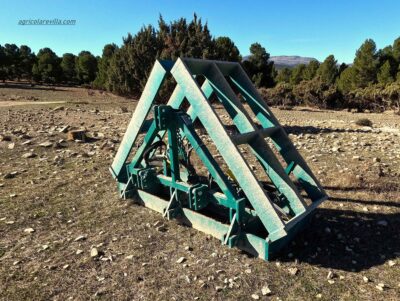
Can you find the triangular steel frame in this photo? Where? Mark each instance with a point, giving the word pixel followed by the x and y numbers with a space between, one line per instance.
pixel 219 79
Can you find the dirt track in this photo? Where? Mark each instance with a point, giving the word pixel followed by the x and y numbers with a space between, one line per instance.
pixel 60 203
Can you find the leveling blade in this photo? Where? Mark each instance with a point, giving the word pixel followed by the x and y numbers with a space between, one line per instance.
pixel 206 181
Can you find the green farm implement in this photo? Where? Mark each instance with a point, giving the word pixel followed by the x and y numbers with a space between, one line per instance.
pixel 236 175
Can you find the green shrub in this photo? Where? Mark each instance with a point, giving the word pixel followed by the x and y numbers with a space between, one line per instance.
pixel 364 122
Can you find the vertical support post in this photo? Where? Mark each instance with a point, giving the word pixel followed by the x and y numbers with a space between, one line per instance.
pixel 173 152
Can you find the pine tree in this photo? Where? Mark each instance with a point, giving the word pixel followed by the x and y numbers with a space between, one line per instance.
pixel 131 64
pixel 298 74
pixel 311 70
pixel 3 61
pixel 86 67
pixel 365 64
pixel 11 61
pixel 328 70
pixel 68 67
pixel 226 50
pixel 284 75
pixel 398 75
pixel 25 63
pixel 47 68
pixel 102 81
pixel 346 80
pixel 259 68
pixel 396 50
pixel 384 74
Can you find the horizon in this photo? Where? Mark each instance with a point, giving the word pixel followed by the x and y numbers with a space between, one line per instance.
pixel 97 25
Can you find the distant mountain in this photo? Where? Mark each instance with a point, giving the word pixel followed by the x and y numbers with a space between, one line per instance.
pixel 287 61
pixel 290 61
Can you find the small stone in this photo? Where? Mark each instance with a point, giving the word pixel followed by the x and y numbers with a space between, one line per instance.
pixel 365 279
pixel 46 144
pixel 162 228
pixel 45 247
pixel 219 288
pixel 78 252
pixel 11 145
pixel 28 155
pixel 247 271
pixel 77 135
pixel 293 271
pixel 129 257
pixel 27 142
pixel 188 248
pixel 318 296
pixel 330 281
pixel 330 275
pixel 80 237
pixel 64 129
pixel 29 230
pixel 265 291
pixel 391 263
pixel 181 260
pixel 381 286
pixel 157 223
pixel 66 266
pixel 255 297
pixel 94 253
pixel 10 175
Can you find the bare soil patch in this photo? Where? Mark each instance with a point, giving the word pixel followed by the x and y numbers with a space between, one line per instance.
pixel 60 203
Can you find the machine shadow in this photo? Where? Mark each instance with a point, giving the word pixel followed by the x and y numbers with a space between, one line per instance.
pixel 317 130
pixel 296 130
pixel 347 240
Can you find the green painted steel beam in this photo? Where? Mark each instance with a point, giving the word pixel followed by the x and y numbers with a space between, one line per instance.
pixel 258 146
pixel 150 91
pixel 251 243
pixel 235 161
pixel 210 163
pixel 301 170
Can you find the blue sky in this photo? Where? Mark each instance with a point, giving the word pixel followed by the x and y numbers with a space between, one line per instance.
pixel 288 27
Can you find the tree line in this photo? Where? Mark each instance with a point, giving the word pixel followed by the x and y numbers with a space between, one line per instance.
pixel 18 63
pixel 371 82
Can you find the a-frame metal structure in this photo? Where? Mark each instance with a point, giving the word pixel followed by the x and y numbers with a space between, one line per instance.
pixel 232 205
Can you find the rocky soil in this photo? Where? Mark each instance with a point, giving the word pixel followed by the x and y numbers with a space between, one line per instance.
pixel 65 234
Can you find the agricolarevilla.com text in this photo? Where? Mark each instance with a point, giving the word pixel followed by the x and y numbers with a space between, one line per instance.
pixel 55 21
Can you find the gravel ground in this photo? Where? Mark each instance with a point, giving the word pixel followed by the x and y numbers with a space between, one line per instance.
pixel 65 234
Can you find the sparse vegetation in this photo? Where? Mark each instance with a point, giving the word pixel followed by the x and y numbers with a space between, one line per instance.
pixel 364 122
